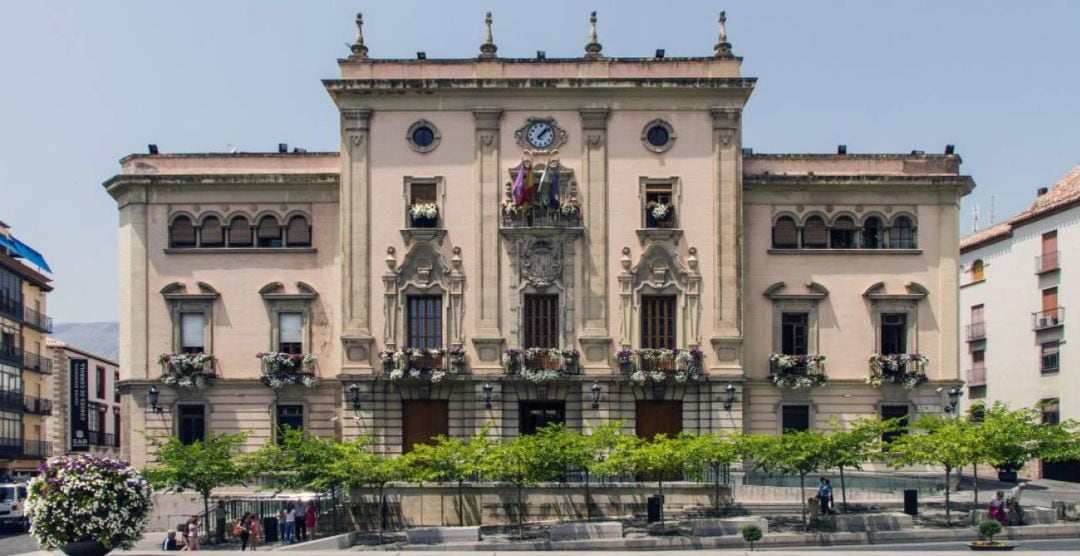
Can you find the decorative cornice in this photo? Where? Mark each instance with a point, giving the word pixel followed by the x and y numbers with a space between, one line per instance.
pixel 487 118
pixel 594 118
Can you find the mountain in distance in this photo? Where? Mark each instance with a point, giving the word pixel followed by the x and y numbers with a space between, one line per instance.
pixel 101 338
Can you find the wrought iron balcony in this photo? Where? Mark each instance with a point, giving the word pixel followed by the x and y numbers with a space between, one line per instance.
pixel 11 400
pixel 37 449
pixel 98 438
pixel 1046 262
pixel 37 363
pixel 521 362
pixel 11 308
pixel 37 321
pixel 11 354
pixel 540 217
pixel 976 331
pixel 1041 320
pixel 37 406
pixel 976 376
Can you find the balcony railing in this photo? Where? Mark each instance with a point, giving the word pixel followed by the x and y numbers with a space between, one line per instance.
pixel 541 217
pixel 976 331
pixel 976 376
pixel 10 353
pixel 521 362
pixel 11 400
pixel 37 321
pixel 98 438
pixel 1046 262
pixel 37 406
pixel 37 448
pixel 1049 318
pixel 37 363
pixel 11 308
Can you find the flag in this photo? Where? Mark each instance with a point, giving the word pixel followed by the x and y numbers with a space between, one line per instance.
pixel 553 190
pixel 530 187
pixel 541 189
pixel 518 190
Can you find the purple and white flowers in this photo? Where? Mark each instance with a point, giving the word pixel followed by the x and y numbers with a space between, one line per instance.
pixel 906 369
pixel 539 365
pixel 283 369
pixel 422 364
pixel 88 498
pixel 186 370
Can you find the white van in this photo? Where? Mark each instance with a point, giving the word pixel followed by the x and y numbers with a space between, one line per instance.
pixel 12 506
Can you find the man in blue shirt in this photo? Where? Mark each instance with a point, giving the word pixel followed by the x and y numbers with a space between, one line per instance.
pixel 825 496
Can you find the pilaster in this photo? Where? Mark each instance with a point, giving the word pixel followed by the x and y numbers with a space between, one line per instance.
pixel 355 201
pixel 488 336
pixel 727 281
pixel 596 337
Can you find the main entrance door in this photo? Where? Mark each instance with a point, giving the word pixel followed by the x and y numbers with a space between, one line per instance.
pixel 658 417
pixel 423 420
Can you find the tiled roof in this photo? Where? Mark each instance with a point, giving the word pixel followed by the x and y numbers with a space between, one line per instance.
pixel 1064 194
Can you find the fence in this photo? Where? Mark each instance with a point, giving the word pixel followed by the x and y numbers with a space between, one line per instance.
pixel 927 486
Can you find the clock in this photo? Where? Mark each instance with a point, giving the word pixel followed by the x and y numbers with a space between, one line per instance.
pixel 540 135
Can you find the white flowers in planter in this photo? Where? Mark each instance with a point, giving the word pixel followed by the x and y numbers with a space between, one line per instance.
pixel 429 211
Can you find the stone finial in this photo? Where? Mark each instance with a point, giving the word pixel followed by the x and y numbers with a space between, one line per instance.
pixel 359 51
pixel 723 47
pixel 488 48
pixel 593 48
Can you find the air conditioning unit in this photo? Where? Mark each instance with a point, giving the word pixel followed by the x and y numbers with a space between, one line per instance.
pixel 1046 322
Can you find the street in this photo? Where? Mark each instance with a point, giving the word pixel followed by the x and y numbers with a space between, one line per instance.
pixel 16 542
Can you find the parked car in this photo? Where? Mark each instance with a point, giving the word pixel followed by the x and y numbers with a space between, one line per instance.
pixel 13 506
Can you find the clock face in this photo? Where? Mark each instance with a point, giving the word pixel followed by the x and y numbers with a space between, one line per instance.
pixel 540 135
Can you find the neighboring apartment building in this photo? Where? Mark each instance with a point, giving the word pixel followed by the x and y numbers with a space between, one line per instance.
pixel 86 413
pixel 1013 299
pixel 24 361
pixel 556 292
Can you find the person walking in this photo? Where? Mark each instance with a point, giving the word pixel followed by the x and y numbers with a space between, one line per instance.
pixel 170 541
pixel 824 495
pixel 219 521
pixel 1012 502
pixel 311 514
pixel 255 530
pixel 997 507
pixel 301 522
pixel 290 523
pixel 240 531
pixel 193 533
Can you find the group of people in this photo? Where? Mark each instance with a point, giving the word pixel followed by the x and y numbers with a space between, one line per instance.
pixel 296 522
pixel 1005 507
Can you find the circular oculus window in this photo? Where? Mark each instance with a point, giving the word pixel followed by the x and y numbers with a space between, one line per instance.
pixel 658 136
pixel 423 136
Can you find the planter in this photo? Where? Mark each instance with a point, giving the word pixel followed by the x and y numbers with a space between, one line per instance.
pixel 1007 476
pixel 990 545
pixel 85 548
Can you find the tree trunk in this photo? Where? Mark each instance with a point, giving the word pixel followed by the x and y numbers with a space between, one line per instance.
pixel 460 504
pixel 420 487
pixel 716 488
pixel 843 490
pixel 206 514
pixel 975 481
pixel 521 513
pixel 663 524
pixel 588 498
pixel 802 499
pixel 382 511
pixel 948 517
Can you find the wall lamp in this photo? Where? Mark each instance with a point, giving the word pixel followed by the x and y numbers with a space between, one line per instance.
pixel 954 400
pixel 595 395
pixel 729 398
pixel 354 396
pixel 152 397
pixel 487 388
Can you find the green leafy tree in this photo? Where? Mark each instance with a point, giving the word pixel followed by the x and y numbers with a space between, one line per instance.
pixel 713 452
pixel 415 467
pixel 598 447
pixel 455 460
pixel 661 458
pixel 200 466
pixel 522 462
pixel 299 461
pixel 948 443
pixel 794 452
pixel 356 466
pixel 850 448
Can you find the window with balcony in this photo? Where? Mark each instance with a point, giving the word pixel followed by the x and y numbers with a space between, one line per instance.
pixel 1050 410
pixel 977 372
pixel 424 318
pixel 541 321
pixel 894 333
pixel 659 206
pixel 1049 357
pixel 192 327
pixel 658 321
pixel 423 209
pixel 794 418
pixel 785 233
pixel 268 232
pixel 191 423
pixel 842 233
pixel 793 333
pixel 1051 315
pixel 182 232
pixel 290 333
pixel 815 234
pixel 873 233
pixel 1048 259
pixel 977 329
pixel 902 233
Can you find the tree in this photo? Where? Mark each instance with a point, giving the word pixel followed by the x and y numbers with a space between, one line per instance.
pixel 948 443
pixel 798 452
pixel 455 460
pixel 567 450
pixel 850 448
pixel 354 465
pixel 200 466
pixel 598 448
pixel 299 461
pixel 713 452
pixel 415 467
pixel 751 533
pixel 522 462
pixel 661 458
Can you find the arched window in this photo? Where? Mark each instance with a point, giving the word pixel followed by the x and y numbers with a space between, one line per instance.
pixel 210 233
pixel 239 232
pixel 182 232
pixel 872 233
pixel 298 232
pixel 785 235
pixel 269 232
pixel 815 234
pixel 902 234
pixel 842 234
pixel 977 271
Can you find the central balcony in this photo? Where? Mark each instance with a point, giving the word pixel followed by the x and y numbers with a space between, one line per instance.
pixel 659 364
pixel 794 372
pixel 1048 318
pixel 906 369
pixel 976 376
pixel 425 364
pixel 541 364
pixel 536 216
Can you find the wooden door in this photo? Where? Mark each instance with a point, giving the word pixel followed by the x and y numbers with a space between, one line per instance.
pixel 658 417
pixel 1049 243
pixel 423 420
pixel 1049 301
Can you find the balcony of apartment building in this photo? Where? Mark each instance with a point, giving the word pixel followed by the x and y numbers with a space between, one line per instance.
pixel 37 406
pixel 99 438
pixel 11 447
pixel 976 331
pixel 11 400
pixel 1047 262
pixel 11 354
pixel 1048 318
pixel 37 320
pixel 11 308
pixel 37 363
pixel 976 377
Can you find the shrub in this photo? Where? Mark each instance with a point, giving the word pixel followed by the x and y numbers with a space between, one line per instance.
pixel 751 534
pixel 88 498
pixel 988 528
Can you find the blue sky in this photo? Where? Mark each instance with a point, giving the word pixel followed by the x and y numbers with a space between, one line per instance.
pixel 88 82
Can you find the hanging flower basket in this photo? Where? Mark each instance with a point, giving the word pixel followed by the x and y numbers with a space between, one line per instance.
pixel 905 369
pixel 186 370
pixel 284 369
pixel 796 372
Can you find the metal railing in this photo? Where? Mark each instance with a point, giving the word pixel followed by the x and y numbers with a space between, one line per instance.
pixel 37 448
pixel 927 486
pixel 668 222
pixel 976 376
pixel 11 353
pixel 11 400
pixel 37 363
pixel 98 438
pixel 541 361
pixel 976 331
pixel 1046 262
pixel 11 308
pixel 37 406
pixel 1049 318
pixel 542 217
pixel 37 320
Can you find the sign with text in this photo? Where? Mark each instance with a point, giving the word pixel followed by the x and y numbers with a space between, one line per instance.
pixel 80 406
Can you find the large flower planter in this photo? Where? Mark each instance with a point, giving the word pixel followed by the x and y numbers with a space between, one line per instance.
pixel 986 545
pixel 85 548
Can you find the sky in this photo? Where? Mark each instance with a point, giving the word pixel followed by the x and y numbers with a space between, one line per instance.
pixel 85 83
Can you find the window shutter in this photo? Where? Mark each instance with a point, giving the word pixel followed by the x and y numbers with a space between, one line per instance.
pixel 785 234
pixel 269 228
pixel 212 234
pixel 814 234
pixel 298 234
pixel 183 232
pixel 290 325
pixel 191 330
pixel 239 232
pixel 844 223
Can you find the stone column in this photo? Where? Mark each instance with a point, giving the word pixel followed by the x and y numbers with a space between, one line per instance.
pixel 595 337
pixel 355 201
pixel 727 281
pixel 131 201
pixel 488 337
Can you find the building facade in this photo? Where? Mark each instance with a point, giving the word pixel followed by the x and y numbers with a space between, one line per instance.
pixel 25 364
pixel 519 241
pixel 103 421
pixel 1013 297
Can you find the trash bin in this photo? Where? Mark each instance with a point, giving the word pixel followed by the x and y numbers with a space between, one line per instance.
pixel 655 504
pixel 911 502
pixel 270 529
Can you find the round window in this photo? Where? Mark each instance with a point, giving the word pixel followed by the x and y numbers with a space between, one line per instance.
pixel 657 136
pixel 423 136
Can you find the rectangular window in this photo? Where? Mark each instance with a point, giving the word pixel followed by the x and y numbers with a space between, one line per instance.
pixel 291 416
pixel 537 415
pixel 795 418
pixel 659 208
pixel 422 194
pixel 240 233
pixel 793 333
pixel 290 333
pixel 116 386
pixel 978 359
pixel 424 321
pixel 1049 357
pixel 100 375
pixel 977 315
pixel 191 423
pixel 1050 301
pixel 658 321
pixel 1048 260
pixel 116 430
pixel 191 332
pixel 541 321
pixel 898 412
pixel 1049 243
pixel 1051 411
pixel 893 333
pixel 94 422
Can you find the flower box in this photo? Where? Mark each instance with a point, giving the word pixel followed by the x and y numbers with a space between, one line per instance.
pixel 657 365
pixel 424 215
pixel 541 364
pixel 906 369
pixel 795 372
pixel 423 364
pixel 659 215
pixel 186 370
pixel 282 369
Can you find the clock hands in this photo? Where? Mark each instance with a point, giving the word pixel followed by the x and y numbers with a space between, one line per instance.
pixel 546 133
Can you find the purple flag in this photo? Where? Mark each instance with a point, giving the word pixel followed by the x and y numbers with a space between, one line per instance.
pixel 518 190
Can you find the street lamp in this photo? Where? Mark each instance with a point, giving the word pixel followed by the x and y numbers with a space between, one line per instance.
pixel 729 399
pixel 595 395
pixel 954 400
pixel 354 396
pixel 487 388
pixel 152 397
